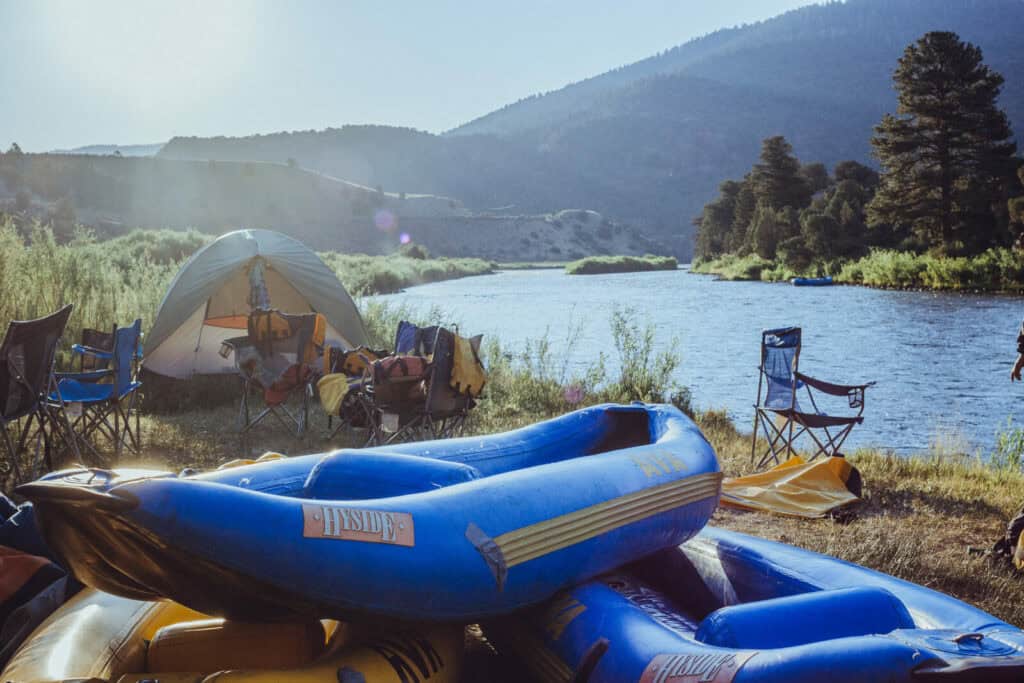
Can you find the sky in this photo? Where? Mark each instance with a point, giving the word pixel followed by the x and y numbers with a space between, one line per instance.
pixel 79 72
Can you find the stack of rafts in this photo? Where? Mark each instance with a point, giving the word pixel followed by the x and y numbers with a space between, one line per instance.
pixel 578 544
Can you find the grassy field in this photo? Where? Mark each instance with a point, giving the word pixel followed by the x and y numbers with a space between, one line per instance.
pixel 996 270
pixel 596 265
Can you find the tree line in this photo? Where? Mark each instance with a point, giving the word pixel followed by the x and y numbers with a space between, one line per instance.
pixel 950 182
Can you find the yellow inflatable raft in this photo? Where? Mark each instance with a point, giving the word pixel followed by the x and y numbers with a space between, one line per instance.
pixel 101 638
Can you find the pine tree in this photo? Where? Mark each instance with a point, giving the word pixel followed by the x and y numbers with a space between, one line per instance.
pixel 715 222
pixel 743 215
pixel 946 153
pixel 777 181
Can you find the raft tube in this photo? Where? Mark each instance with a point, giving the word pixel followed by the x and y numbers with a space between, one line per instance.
pixel 731 608
pixel 812 281
pixel 104 638
pixel 449 530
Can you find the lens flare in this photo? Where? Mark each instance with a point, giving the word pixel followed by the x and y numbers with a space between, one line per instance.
pixel 385 220
pixel 404 238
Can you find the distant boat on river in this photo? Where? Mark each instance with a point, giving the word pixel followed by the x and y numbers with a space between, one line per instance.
pixel 812 281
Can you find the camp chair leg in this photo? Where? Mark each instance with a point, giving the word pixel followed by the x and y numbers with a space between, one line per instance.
pixel 13 472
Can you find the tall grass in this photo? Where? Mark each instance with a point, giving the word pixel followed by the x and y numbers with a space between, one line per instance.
pixel 108 283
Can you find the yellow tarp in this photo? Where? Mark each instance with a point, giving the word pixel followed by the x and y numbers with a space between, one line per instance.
pixel 795 488
pixel 468 375
pixel 332 389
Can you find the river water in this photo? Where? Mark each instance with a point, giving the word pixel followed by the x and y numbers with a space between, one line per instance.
pixel 941 361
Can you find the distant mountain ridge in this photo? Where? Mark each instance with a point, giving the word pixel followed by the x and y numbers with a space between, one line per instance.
pixel 123 150
pixel 647 144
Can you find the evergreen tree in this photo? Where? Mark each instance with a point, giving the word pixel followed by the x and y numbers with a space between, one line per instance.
pixel 864 176
pixel 816 176
pixel 714 226
pixel 777 180
pixel 1016 206
pixel 946 154
pixel 743 216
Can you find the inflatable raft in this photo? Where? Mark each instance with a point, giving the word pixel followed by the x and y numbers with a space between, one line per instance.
pixel 456 529
pixel 730 608
pixel 812 281
pixel 103 638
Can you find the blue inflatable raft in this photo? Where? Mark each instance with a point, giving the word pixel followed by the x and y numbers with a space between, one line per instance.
pixel 730 608
pixel 455 529
pixel 812 281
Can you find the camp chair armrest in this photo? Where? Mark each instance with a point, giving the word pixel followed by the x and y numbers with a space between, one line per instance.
pixel 830 388
pixel 82 349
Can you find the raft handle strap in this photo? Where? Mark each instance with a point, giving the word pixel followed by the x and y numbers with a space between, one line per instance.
pixel 491 553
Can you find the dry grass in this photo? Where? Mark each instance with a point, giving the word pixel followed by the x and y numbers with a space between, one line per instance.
pixel 918 519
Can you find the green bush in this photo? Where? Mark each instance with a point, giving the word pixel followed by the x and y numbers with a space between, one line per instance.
pixel 594 265
pixel 994 270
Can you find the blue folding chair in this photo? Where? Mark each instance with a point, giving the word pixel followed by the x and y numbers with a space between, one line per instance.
pixel 107 397
pixel 778 415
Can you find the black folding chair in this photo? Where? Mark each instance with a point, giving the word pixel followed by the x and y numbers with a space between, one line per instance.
pixel 778 415
pixel 428 406
pixel 96 349
pixel 26 375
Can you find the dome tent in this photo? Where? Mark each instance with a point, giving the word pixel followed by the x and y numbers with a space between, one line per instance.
pixel 208 301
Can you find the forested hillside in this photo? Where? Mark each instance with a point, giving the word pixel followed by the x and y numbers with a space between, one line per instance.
pixel 648 143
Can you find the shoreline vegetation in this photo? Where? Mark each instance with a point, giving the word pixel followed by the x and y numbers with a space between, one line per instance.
pixel 999 270
pixel 944 210
pixel 596 265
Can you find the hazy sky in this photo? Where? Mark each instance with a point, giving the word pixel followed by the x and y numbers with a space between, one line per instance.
pixel 77 72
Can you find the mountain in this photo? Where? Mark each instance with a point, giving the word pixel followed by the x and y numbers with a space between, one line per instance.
pixel 122 150
pixel 648 143
pixel 116 193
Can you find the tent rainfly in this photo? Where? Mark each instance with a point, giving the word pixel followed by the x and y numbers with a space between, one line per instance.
pixel 212 295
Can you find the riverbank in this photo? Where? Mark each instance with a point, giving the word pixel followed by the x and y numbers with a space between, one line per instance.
pixel 598 265
pixel 996 270
pixel 365 275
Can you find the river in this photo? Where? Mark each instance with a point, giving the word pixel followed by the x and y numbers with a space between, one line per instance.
pixel 941 361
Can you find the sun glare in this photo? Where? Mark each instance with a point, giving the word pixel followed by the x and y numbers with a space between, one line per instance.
pixel 169 54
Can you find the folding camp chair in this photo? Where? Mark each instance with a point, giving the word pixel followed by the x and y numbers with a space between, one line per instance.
pixel 778 415
pixel 347 373
pixel 429 402
pixel 96 349
pixel 278 358
pixel 105 400
pixel 456 380
pixel 26 375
